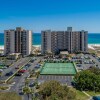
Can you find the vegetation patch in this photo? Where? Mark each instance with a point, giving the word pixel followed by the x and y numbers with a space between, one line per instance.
pixel 9 96
pixel 92 93
pixel 81 96
pixel 88 80
pixel 3 87
pixel 53 90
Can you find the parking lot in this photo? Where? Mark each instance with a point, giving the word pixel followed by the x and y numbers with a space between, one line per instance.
pixel 12 69
pixel 85 61
pixel 62 79
pixel 20 80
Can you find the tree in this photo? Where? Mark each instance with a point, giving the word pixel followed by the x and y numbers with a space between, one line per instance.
pixel 0 74
pixel 53 90
pixel 27 91
pixel 95 70
pixel 71 94
pixel 37 74
pixel 26 82
pixel 88 80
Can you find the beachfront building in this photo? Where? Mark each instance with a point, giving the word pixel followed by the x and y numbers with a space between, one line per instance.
pixel 18 41
pixel 71 41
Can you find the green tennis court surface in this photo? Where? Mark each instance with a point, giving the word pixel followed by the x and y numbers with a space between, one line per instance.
pixel 58 68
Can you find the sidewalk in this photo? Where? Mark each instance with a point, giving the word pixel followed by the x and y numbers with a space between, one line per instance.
pixel 90 97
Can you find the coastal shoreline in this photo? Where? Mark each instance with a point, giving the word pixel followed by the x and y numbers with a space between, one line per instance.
pixel 2 46
pixel 89 46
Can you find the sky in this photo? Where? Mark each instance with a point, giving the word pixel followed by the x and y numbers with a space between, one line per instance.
pixel 40 15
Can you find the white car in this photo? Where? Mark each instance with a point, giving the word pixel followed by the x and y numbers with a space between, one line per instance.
pixel 1 70
pixel 4 67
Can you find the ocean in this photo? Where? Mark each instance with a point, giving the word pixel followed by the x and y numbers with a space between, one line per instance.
pixel 93 38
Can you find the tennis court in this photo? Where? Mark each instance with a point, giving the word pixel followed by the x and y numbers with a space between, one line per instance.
pixel 58 69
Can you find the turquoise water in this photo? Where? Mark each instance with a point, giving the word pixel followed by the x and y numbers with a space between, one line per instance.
pixel 36 39
pixel 93 38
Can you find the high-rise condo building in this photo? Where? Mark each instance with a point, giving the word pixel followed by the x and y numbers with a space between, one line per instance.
pixel 18 41
pixel 71 41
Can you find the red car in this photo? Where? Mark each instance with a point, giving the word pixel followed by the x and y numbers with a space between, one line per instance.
pixel 22 71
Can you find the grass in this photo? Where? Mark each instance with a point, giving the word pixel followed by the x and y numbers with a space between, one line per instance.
pixel 3 87
pixel 80 95
pixel 9 96
pixel 1 67
pixel 92 93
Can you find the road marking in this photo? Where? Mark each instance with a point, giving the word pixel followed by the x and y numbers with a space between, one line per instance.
pixel 16 71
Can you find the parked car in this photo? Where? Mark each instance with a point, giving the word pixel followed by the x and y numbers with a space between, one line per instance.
pixel 28 65
pixel 21 92
pixel 31 84
pixel 37 66
pixel 22 71
pixel 9 74
pixel 16 67
pixel 32 61
pixel 4 67
pixel 18 74
pixel 7 66
pixel 1 70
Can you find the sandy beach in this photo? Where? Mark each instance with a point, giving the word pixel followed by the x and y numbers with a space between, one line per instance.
pixel 1 47
pixel 91 46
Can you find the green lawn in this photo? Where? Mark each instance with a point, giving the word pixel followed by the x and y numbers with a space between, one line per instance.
pixel 58 68
pixel 3 87
pixel 9 96
pixel 92 93
pixel 81 96
pixel 1 66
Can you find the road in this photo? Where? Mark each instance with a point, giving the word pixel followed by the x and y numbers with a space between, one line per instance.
pixel 19 63
pixel 20 80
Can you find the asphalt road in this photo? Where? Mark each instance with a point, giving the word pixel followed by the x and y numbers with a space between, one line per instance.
pixel 19 63
pixel 20 80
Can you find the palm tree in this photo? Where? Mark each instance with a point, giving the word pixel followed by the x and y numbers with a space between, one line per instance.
pixel 37 74
pixel 0 73
pixel 33 94
pixel 27 91
pixel 26 82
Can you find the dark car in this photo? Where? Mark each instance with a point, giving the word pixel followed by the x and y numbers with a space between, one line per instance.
pixel 31 84
pixel 27 65
pixel 32 61
pixel 18 74
pixel 9 74
pixel 96 97
pixel 7 66
pixel 21 92
pixel 16 67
